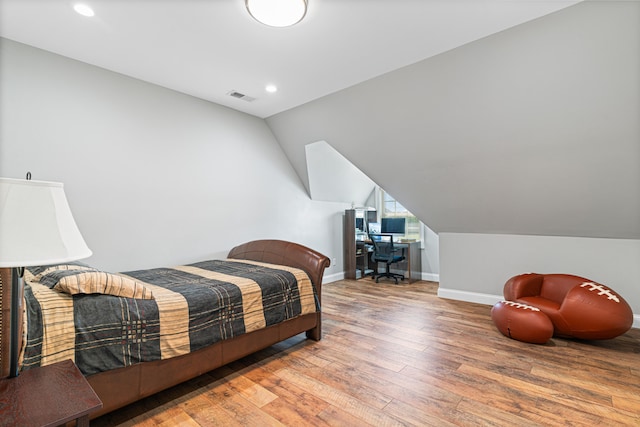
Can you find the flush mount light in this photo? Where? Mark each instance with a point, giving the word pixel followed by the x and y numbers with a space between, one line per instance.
pixel 271 88
pixel 277 13
pixel 83 9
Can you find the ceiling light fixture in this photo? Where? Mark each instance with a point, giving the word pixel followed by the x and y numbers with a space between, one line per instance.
pixel 277 13
pixel 83 9
pixel 271 88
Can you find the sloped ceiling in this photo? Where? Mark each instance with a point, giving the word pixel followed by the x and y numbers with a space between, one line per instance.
pixel 207 48
pixel 533 130
pixel 332 178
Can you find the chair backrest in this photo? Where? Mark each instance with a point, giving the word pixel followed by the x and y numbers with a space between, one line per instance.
pixel 383 249
pixel 555 287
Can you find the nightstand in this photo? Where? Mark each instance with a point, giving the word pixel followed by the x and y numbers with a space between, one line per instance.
pixel 47 396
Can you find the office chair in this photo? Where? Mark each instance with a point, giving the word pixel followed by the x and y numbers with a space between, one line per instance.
pixel 383 251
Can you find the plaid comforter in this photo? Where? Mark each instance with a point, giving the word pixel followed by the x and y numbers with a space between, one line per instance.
pixel 195 305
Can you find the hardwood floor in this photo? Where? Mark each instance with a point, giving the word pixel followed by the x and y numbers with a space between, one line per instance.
pixel 399 355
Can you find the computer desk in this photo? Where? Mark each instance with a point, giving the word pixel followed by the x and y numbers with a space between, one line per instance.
pixel 411 267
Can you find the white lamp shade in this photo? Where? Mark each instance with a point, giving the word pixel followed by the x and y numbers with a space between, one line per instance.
pixel 277 13
pixel 36 225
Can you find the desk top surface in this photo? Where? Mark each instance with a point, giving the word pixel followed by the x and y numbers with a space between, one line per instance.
pixel 395 242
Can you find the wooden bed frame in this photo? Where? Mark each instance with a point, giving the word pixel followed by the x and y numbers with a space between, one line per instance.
pixel 120 387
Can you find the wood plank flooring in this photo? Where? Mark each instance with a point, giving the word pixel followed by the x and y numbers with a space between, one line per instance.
pixel 397 355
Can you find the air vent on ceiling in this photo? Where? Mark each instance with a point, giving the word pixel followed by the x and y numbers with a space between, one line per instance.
pixel 239 95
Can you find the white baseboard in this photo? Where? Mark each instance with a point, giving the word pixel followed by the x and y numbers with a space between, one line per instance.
pixel 467 296
pixel 333 277
pixel 328 278
pixel 431 277
pixel 489 299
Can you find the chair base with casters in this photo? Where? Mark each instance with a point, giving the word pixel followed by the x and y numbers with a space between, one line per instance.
pixel 388 275
pixel 384 251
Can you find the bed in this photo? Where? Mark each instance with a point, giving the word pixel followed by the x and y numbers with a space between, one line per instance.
pixel 167 325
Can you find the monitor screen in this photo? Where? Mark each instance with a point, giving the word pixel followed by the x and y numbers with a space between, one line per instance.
pixel 393 225
pixel 374 227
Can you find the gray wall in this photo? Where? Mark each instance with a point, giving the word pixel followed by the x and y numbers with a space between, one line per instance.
pixel 533 130
pixel 532 133
pixel 475 267
pixel 153 177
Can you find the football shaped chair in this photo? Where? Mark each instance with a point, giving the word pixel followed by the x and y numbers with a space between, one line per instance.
pixel 577 307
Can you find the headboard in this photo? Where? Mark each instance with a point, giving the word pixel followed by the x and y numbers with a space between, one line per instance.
pixel 284 253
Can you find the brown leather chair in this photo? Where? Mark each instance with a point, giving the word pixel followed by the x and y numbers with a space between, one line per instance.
pixel 577 307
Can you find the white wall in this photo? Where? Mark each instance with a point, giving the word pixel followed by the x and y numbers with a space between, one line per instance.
pixel 334 178
pixel 532 131
pixel 431 256
pixel 486 137
pixel 153 177
pixel 475 267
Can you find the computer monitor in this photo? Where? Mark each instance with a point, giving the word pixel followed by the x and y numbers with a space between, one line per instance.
pixel 374 227
pixel 393 226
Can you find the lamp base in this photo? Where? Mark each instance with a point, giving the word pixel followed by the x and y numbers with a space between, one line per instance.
pixel 10 320
pixel 5 323
pixel 16 326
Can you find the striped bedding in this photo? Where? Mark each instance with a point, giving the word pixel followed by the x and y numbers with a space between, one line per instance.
pixel 193 306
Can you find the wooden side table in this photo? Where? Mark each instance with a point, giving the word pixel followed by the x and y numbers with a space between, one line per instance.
pixel 48 396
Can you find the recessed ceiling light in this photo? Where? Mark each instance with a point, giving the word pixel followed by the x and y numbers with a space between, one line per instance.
pixel 83 9
pixel 271 88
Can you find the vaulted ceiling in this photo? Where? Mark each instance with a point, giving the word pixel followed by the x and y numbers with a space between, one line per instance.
pixel 208 48
pixel 533 130
pixel 485 116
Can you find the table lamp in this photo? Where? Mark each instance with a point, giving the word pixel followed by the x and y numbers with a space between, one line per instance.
pixel 36 228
